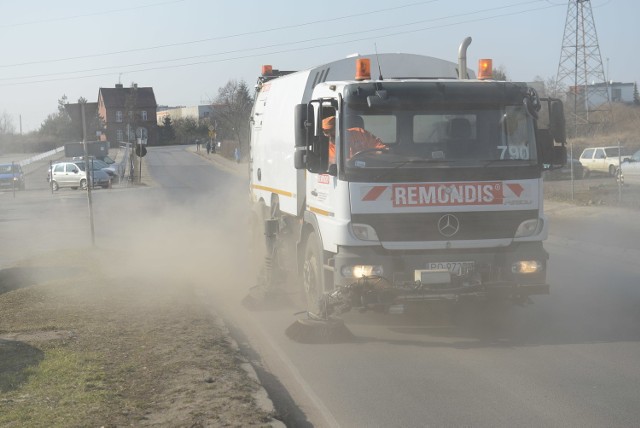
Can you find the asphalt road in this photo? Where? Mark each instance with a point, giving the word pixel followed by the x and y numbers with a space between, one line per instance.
pixel 568 360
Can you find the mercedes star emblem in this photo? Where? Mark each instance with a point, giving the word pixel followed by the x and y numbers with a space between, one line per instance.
pixel 448 225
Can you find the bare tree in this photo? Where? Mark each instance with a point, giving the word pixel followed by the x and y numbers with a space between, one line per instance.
pixel 555 89
pixel 6 124
pixel 500 73
pixel 232 108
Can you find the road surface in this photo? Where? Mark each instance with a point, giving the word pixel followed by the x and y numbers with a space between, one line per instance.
pixel 568 360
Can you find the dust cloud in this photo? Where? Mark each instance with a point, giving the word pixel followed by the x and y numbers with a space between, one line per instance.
pixel 202 244
pixel 141 236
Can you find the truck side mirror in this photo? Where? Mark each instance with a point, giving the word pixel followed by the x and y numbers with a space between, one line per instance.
pixel 300 158
pixel 545 143
pixel 557 121
pixel 303 122
pixel 551 154
pixel 559 155
pixel 301 135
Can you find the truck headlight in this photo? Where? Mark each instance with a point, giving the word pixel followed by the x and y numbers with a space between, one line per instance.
pixel 364 232
pixel 529 228
pixel 359 271
pixel 526 266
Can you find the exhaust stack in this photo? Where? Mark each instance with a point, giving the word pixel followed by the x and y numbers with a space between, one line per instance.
pixel 462 58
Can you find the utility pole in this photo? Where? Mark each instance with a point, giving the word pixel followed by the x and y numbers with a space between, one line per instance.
pixel 78 114
pixel 581 70
pixel 89 173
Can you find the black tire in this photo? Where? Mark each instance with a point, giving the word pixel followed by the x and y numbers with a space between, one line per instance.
pixel 83 184
pixel 612 170
pixel 55 186
pixel 313 277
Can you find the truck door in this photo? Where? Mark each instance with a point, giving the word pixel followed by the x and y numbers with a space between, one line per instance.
pixel 321 179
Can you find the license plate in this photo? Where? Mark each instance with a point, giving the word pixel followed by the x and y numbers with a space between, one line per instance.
pixel 457 268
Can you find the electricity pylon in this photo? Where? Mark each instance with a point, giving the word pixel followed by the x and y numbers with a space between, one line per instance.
pixel 580 70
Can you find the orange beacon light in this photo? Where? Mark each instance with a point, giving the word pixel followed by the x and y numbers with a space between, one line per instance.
pixel 485 69
pixel 363 69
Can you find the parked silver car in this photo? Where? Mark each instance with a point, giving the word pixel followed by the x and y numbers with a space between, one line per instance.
pixel 111 169
pixel 73 175
pixel 629 171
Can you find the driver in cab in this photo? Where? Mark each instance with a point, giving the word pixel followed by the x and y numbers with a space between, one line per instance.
pixel 358 139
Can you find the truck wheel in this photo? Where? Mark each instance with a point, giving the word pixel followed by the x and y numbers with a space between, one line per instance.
pixel 313 277
pixel 55 186
pixel 83 184
pixel 612 170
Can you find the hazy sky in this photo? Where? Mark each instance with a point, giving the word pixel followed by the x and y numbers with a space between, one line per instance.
pixel 187 49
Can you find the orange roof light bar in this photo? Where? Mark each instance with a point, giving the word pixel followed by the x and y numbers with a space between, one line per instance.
pixel 363 69
pixel 485 69
pixel 267 70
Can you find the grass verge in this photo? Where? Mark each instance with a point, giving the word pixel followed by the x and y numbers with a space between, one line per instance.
pixel 80 347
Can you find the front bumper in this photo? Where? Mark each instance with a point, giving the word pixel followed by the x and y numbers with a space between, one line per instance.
pixel 492 275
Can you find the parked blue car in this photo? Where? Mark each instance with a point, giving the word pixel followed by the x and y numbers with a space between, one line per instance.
pixel 11 176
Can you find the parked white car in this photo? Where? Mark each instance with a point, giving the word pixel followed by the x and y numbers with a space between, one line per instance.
pixel 629 171
pixel 602 159
pixel 73 175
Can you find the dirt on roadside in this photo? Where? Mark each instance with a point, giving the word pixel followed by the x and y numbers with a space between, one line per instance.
pixel 81 345
pixel 593 191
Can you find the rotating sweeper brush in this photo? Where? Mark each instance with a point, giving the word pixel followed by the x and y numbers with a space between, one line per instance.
pixel 313 330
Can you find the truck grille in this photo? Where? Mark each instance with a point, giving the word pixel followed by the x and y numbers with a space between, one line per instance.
pixel 424 226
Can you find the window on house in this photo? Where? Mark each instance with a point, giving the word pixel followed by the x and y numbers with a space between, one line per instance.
pixel 143 114
pixel 118 116
pixel 119 136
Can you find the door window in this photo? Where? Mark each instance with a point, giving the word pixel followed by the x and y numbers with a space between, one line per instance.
pixel 588 154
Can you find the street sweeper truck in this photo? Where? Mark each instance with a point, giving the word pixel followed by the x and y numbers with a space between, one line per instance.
pixel 389 180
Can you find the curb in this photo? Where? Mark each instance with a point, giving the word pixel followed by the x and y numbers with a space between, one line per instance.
pixel 261 396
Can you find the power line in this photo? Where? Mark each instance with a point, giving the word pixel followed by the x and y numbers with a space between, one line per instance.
pixel 210 39
pixel 104 12
pixel 118 67
pixel 290 50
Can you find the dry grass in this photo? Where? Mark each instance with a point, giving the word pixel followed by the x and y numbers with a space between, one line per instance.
pixel 626 130
pixel 79 347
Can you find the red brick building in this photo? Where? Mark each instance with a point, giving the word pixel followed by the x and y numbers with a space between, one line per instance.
pixel 128 114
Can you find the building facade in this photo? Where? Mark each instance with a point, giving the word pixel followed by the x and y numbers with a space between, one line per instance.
pixel 128 114
pixel 617 92
pixel 198 113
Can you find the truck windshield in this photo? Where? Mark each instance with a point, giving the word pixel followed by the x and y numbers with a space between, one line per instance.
pixel 452 133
